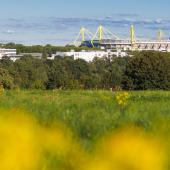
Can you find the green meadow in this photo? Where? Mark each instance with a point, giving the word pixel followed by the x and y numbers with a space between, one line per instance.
pixel 84 130
pixel 90 114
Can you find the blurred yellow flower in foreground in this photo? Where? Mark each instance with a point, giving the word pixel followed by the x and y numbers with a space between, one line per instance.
pixel 129 149
pixel 24 144
pixel 18 148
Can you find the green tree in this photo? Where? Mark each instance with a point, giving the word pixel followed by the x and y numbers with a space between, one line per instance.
pixel 5 79
pixel 30 73
pixel 110 71
pixel 148 70
pixel 58 76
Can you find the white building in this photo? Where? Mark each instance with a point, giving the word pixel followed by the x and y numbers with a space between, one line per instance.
pixel 88 55
pixel 7 52
pixel 36 55
pixel 11 53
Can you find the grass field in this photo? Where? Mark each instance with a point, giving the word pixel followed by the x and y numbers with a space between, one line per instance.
pixel 92 115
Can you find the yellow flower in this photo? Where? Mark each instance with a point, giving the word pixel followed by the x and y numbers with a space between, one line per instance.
pixel 122 99
pixel 23 143
pixel 128 149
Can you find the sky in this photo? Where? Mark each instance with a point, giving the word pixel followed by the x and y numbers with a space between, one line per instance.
pixel 57 22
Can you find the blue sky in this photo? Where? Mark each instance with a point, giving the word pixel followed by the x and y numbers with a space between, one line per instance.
pixel 58 21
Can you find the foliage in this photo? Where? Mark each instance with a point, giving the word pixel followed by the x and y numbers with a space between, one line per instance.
pixel 66 73
pixel 57 75
pixel 145 70
pixel 5 79
pixel 1 90
pixel 46 50
pixel 148 70
pixel 30 73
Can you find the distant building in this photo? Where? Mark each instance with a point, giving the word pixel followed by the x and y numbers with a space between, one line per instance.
pixel 88 55
pixel 12 54
pixel 36 55
pixel 9 53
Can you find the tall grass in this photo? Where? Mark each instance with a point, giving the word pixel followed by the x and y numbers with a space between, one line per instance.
pixel 91 116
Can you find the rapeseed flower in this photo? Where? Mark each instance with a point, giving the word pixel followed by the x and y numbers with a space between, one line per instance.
pixel 26 145
pixel 129 149
pixel 122 98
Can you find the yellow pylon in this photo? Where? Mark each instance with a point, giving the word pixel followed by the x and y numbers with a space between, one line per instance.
pixel 100 32
pixel 82 32
pixel 132 37
pixel 160 34
pixel 81 37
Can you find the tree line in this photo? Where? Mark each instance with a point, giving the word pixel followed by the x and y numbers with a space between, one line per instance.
pixel 46 50
pixel 142 71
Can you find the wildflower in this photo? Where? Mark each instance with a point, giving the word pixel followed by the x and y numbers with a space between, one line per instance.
pixel 129 148
pixel 122 99
pixel 26 145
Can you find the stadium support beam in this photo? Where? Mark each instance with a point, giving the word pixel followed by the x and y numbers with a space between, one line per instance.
pixel 102 32
pixel 160 34
pixel 81 37
pixel 132 37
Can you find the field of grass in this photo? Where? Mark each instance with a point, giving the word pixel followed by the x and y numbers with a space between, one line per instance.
pixel 91 115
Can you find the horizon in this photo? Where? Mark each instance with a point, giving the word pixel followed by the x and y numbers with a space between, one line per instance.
pixel 58 22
